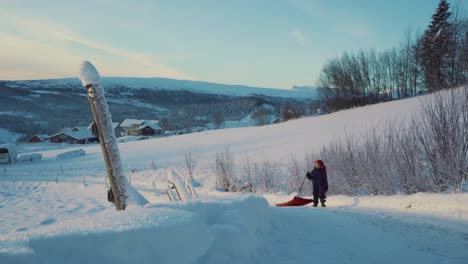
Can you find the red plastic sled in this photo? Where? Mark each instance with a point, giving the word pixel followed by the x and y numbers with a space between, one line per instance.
pixel 296 201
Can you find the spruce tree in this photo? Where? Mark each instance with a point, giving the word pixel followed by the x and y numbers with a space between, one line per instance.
pixel 437 44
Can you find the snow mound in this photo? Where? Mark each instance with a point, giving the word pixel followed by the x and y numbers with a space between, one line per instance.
pixel 208 232
pixel 29 157
pixel 175 178
pixel 71 154
pixel 89 74
pixel 134 197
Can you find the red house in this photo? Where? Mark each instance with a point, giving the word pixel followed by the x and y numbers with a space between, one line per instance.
pixel 73 137
pixel 38 139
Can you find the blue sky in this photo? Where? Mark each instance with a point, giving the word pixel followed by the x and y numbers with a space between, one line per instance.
pixel 265 43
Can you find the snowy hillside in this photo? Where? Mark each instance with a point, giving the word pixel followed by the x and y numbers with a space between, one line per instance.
pixel 7 136
pixel 55 211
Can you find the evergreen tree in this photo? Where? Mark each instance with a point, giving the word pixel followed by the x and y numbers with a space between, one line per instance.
pixel 437 45
pixel 465 55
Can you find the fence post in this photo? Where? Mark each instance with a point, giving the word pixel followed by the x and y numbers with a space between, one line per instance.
pixel 102 119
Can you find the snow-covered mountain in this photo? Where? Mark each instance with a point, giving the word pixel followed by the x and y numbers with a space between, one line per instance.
pixel 301 93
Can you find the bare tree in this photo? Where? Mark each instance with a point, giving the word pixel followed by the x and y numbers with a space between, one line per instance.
pixel 292 111
pixel 262 117
pixel 218 119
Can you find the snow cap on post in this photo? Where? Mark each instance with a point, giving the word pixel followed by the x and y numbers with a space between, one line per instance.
pixel 89 74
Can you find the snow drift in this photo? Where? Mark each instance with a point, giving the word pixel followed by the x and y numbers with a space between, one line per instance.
pixel 185 233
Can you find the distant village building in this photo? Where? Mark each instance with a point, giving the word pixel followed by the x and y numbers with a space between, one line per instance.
pixel 116 129
pixel 38 139
pixel 80 128
pixel 136 127
pixel 277 120
pixel 73 137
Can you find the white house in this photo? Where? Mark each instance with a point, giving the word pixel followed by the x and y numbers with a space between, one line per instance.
pixel 116 128
pixel 137 127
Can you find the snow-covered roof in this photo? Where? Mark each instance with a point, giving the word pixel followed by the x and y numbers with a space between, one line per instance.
pixel 155 125
pixel 114 125
pixel 42 137
pixel 78 135
pixel 132 122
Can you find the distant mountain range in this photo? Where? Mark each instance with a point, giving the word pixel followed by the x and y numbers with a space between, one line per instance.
pixel 297 92
pixel 48 106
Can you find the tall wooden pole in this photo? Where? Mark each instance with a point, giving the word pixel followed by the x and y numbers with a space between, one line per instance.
pixel 102 119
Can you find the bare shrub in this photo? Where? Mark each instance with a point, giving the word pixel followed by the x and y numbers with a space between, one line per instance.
pixel 224 169
pixel 249 172
pixel 268 173
pixel 405 158
pixel 431 154
pixel 443 135
pixel 190 161
pixel 296 174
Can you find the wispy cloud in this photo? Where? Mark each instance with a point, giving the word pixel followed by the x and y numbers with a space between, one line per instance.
pixel 310 7
pixel 39 48
pixel 354 29
pixel 342 22
pixel 298 36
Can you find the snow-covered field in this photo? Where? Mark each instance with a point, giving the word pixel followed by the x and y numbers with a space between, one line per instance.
pixel 55 211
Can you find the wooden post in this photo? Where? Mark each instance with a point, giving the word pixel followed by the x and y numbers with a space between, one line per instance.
pixel 107 140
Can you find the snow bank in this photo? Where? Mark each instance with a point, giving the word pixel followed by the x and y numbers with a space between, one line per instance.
pixel 204 232
pixel 239 224
pixel 135 236
pixel 131 138
pixel 134 197
pixel 29 157
pixel 71 154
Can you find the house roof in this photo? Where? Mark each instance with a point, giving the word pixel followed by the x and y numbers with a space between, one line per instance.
pixel 42 137
pixel 114 125
pixel 155 124
pixel 78 135
pixel 131 122
pixel 151 124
